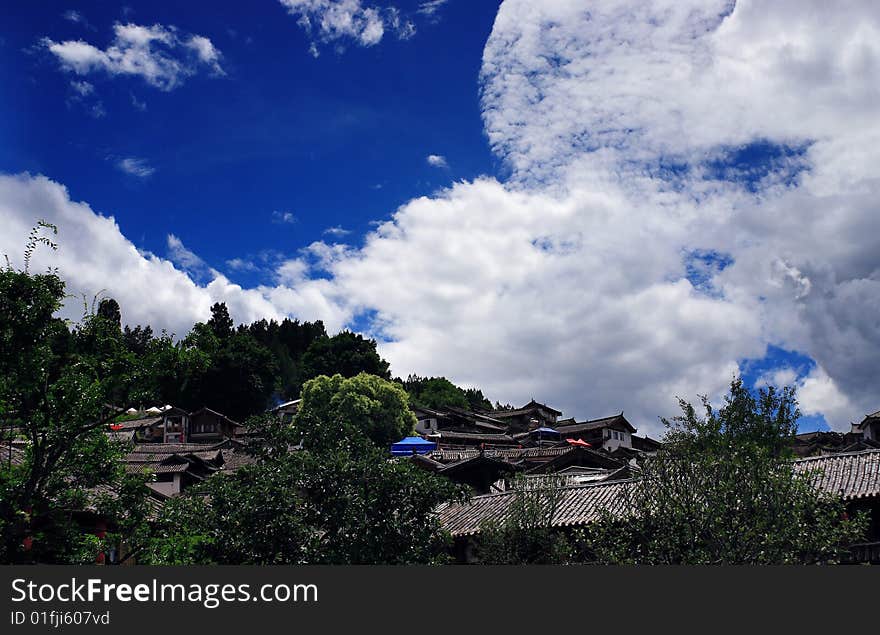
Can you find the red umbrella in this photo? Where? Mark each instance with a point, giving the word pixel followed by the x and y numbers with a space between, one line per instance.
pixel 579 442
pixel 115 426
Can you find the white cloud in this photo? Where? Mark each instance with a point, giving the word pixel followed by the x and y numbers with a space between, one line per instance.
pixel 437 161
pixel 82 88
pixel 83 94
pixel 93 255
pixel 241 264
pixel 159 54
pixel 186 259
pixel 337 231
pixel 341 21
pixel 283 217
pixel 97 110
pixel 138 104
pixel 431 7
pixel 136 166
pixel 778 377
pixel 819 394
pixel 73 16
pixel 207 52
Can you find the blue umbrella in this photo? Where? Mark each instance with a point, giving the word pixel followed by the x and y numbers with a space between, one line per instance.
pixel 412 445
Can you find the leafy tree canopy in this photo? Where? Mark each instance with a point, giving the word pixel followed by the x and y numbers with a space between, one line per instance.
pixel 439 392
pixel 307 508
pixel 346 354
pixel 724 490
pixel 339 412
pixel 54 387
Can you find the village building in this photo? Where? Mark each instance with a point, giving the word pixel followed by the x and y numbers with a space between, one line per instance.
pixel 531 416
pixel 206 426
pixel 869 429
pixel 175 425
pixel 173 467
pixel 609 433
pixel 287 410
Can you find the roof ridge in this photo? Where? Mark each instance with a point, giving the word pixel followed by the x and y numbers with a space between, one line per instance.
pixel 545 489
pixel 838 454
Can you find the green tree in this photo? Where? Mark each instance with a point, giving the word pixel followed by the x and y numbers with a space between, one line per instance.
pixel 723 490
pixel 345 354
pixel 240 374
pixel 109 310
pixel 288 341
pixel 439 392
pixel 343 413
pixel 220 323
pixel 254 516
pixel 434 392
pixel 308 508
pixel 54 387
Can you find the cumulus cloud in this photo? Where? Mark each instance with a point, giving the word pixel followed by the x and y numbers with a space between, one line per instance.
pixel 159 54
pixel 819 394
pixel 136 166
pixel 646 143
pixel 663 100
pixel 93 255
pixel 344 21
pixel 337 231
pixel 437 161
pixel 186 259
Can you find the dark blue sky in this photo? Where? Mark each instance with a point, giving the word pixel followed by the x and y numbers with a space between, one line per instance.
pixel 341 139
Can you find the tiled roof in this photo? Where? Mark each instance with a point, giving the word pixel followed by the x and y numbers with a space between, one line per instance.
pixel 594 424
pixel 475 436
pixel 12 452
pixel 157 468
pixel 577 505
pixel 529 407
pixel 134 424
pixel 511 454
pixel 153 503
pixel 446 455
pixel 172 448
pixel 853 475
pixel 456 466
pixel 234 459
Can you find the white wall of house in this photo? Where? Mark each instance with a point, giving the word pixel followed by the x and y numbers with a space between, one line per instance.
pixel 426 426
pixel 613 439
pixel 168 488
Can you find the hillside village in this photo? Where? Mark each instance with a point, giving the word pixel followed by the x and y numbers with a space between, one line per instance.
pixel 494 453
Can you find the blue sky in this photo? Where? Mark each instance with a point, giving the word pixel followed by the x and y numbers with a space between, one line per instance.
pixel 602 209
pixel 340 140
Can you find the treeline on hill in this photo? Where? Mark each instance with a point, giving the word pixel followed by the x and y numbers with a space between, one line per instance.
pixel 239 371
